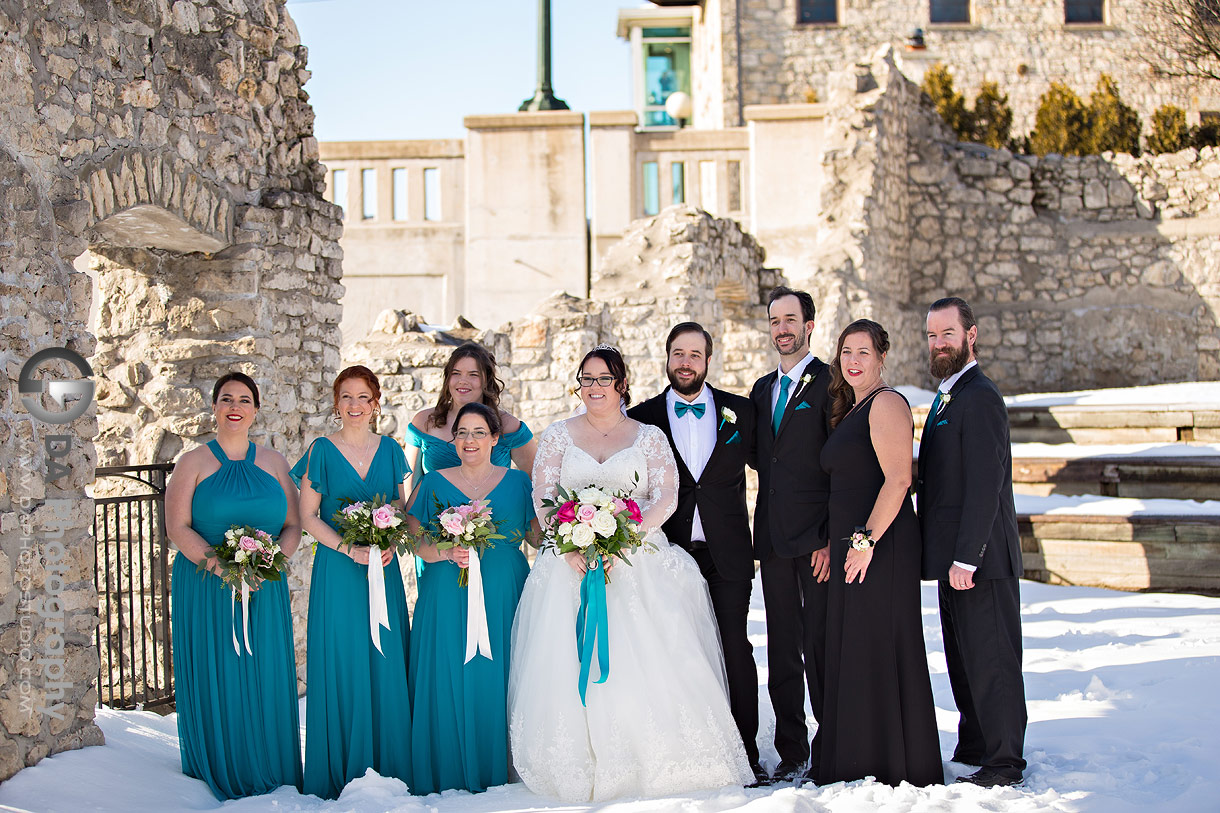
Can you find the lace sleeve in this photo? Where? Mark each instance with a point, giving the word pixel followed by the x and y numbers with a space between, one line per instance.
pixel 661 496
pixel 547 464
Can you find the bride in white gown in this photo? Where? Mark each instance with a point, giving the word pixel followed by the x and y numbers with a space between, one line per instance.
pixel 660 724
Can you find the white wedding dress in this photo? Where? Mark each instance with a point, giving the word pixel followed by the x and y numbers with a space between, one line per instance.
pixel 660 724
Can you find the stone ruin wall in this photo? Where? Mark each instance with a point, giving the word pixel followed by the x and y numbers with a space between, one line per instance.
pixel 166 150
pixel 782 61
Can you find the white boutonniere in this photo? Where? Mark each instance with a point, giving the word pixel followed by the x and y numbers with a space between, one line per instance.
pixel 805 379
pixel 727 416
pixel 945 398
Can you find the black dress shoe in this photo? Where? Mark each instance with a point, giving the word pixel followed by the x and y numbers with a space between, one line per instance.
pixel 809 777
pixel 990 778
pixel 760 776
pixel 785 772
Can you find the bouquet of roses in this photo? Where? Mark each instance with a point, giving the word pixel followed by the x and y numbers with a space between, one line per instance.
pixel 595 522
pixel 375 523
pixel 248 556
pixel 468 525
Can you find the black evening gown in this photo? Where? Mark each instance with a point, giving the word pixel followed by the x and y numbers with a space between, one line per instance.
pixel 879 716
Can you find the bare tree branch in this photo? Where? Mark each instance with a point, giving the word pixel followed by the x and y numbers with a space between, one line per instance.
pixel 1185 35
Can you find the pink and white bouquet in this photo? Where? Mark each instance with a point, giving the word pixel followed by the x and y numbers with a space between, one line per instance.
pixel 593 521
pixel 375 523
pixel 468 525
pixel 248 556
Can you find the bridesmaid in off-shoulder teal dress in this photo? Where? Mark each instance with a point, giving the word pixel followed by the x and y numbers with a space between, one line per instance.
pixel 357 706
pixel 459 737
pixel 237 713
pixel 469 378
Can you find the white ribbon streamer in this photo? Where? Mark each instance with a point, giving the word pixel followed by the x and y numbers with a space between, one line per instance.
pixel 379 613
pixel 478 639
pixel 245 619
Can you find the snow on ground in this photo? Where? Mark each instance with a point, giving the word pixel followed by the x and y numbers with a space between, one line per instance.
pixel 1123 711
pixel 1093 505
pixel 1195 393
pixel 1075 451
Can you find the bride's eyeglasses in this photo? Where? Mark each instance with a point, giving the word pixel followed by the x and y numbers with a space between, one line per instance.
pixel 601 380
pixel 474 434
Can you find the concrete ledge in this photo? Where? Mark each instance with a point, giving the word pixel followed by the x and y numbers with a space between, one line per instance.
pixel 736 138
pixel 372 150
pixel 782 112
pixel 1123 553
pixel 1107 424
pixel 613 118
pixel 525 121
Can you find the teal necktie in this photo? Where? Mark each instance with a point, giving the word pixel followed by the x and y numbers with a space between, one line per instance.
pixel 778 415
pixel 930 423
pixel 681 408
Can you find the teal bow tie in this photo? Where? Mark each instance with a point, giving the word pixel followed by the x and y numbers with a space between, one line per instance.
pixel 681 408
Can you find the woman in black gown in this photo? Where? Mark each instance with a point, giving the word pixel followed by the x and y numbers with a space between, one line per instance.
pixel 879 717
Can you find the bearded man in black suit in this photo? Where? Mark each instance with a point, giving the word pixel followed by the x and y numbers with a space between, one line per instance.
pixel 712 433
pixel 792 412
pixel 972 548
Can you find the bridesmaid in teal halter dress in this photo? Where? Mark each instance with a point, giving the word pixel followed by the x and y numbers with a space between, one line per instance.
pixel 357 707
pixel 460 734
pixel 237 713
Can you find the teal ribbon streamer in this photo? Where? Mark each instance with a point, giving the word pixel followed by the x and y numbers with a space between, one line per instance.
pixel 592 627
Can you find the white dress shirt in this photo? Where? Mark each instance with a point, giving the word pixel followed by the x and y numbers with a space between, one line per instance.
pixel 794 374
pixel 695 439
pixel 946 386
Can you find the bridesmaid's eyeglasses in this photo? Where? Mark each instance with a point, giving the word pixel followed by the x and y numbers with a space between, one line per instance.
pixel 601 380
pixel 475 434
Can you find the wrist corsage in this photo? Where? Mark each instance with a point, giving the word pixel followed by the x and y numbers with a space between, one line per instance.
pixel 862 539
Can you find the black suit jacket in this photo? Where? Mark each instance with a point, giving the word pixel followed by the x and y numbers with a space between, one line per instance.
pixel 790 518
pixel 966 510
pixel 720 491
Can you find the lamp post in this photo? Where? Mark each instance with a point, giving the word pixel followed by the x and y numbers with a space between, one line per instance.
pixel 544 97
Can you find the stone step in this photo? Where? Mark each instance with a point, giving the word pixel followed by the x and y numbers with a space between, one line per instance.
pixel 1171 477
pixel 1107 424
pixel 1124 553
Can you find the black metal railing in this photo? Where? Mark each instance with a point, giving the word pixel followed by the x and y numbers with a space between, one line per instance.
pixel 132 579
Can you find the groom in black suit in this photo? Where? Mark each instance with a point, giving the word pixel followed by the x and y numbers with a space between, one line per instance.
pixel 792 409
pixel 972 548
pixel 712 432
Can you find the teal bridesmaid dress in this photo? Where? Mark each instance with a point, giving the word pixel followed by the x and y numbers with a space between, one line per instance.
pixel 357 707
pixel 237 714
pixel 460 734
pixel 435 453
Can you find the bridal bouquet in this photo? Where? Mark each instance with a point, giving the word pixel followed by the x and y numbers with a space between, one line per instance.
pixel 594 522
pixel 468 525
pixel 377 524
pixel 247 556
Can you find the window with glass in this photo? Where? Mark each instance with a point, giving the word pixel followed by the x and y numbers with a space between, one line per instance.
pixel 817 11
pixel 677 175
pixel 1084 11
pixel 368 194
pixel 338 189
pixel 950 11
pixel 432 193
pixel 666 71
pixel 652 188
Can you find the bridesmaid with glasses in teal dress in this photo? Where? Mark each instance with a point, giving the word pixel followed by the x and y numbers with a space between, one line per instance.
pixel 237 710
pixel 459 737
pixel 357 707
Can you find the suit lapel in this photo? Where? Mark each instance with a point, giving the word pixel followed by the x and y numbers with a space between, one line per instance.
pixel 800 393
pixel 723 433
pixel 925 442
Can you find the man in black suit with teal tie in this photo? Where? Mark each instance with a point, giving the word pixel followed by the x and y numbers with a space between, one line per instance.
pixel 792 411
pixel 971 547
pixel 712 432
